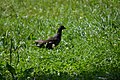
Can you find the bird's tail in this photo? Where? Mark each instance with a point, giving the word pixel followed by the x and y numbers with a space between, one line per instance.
pixel 40 43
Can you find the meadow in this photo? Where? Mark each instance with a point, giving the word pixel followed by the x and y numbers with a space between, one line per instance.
pixel 90 45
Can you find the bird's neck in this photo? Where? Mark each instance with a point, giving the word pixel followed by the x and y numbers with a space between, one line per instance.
pixel 59 33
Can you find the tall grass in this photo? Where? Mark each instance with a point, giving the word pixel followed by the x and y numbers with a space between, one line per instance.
pixel 89 49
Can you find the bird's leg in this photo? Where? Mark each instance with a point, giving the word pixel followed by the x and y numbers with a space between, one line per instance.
pixel 49 46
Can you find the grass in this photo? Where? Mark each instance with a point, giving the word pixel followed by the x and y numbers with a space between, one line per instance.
pixel 89 49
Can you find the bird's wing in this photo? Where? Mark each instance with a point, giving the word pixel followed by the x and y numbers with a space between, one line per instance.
pixel 51 39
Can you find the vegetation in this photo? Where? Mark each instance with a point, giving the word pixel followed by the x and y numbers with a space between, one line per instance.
pixel 90 46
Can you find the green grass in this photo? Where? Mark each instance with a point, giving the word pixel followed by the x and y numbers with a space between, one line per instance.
pixel 89 49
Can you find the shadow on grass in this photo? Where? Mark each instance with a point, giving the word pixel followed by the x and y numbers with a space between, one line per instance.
pixel 81 76
pixel 97 75
pixel 30 74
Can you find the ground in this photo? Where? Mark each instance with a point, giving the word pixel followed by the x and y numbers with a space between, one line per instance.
pixel 90 45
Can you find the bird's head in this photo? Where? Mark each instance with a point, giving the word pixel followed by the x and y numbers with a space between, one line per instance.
pixel 62 27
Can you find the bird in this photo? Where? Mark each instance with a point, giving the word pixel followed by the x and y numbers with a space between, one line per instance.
pixel 51 42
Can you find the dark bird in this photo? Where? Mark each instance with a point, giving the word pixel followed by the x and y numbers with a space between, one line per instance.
pixel 52 41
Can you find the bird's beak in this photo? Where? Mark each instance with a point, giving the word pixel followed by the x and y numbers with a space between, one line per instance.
pixel 64 28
